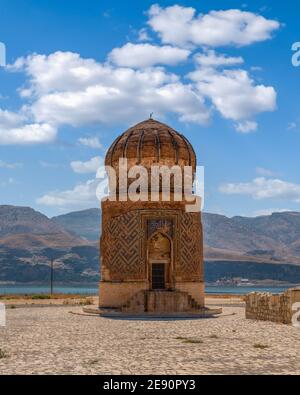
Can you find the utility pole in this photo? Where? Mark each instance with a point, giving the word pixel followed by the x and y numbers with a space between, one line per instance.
pixel 51 276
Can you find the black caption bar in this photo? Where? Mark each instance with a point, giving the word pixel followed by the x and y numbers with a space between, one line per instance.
pixel 90 385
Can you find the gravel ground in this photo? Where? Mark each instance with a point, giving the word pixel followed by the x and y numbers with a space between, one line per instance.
pixel 55 341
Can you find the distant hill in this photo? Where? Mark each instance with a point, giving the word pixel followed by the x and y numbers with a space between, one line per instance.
pixel 84 223
pixel 273 239
pixel 266 247
pixel 270 239
pixel 29 240
pixel 23 227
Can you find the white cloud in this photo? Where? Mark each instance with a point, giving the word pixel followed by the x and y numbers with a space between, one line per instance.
pixel 234 94
pixel 147 55
pixel 10 119
pixel 15 128
pixel 81 196
pixel 232 91
pixel 189 105
pixel 144 35
pixel 246 127
pixel 90 166
pixel 28 134
pixel 65 89
pixel 6 165
pixel 211 59
pixel 181 26
pixel 60 71
pixel 91 142
pixel 264 188
pixel 69 90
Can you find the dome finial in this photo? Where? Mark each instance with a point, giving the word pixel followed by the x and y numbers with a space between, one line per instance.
pixel 151 115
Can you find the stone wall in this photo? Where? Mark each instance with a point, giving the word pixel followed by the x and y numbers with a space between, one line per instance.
pixel 272 307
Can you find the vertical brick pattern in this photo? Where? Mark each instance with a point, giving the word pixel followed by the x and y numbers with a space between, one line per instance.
pixel 190 265
pixel 121 247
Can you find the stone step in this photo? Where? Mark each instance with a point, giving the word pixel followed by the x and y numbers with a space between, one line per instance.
pixel 161 302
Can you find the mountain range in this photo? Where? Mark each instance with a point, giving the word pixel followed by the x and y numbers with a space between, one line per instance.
pixel 265 247
pixel 29 241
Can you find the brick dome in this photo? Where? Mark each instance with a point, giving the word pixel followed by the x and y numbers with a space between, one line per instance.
pixel 151 143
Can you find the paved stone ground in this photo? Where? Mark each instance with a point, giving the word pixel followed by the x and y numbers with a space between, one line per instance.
pixel 53 341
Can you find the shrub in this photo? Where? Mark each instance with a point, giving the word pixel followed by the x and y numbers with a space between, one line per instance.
pixel 41 297
pixel 3 354
pixel 86 302
pixel 260 346
pixel 193 341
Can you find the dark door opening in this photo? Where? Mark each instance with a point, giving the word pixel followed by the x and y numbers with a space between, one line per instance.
pixel 158 276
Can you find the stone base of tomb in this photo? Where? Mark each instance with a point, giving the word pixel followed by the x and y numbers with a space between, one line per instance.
pixel 117 294
pixel 149 303
pixel 115 313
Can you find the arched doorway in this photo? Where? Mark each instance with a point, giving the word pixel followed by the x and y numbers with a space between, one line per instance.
pixel 160 261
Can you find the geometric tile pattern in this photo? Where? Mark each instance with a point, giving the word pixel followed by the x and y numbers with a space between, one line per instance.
pixel 190 250
pixel 124 243
pixel 120 247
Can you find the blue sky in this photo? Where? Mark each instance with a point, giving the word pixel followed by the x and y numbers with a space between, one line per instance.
pixel 79 73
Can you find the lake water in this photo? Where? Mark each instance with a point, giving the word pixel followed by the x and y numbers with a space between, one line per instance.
pixel 93 290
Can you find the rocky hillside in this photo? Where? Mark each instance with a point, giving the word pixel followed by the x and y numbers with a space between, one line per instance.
pixel 84 223
pixel 257 248
pixel 28 242
pixel 23 227
pixel 268 239
pixel 273 239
